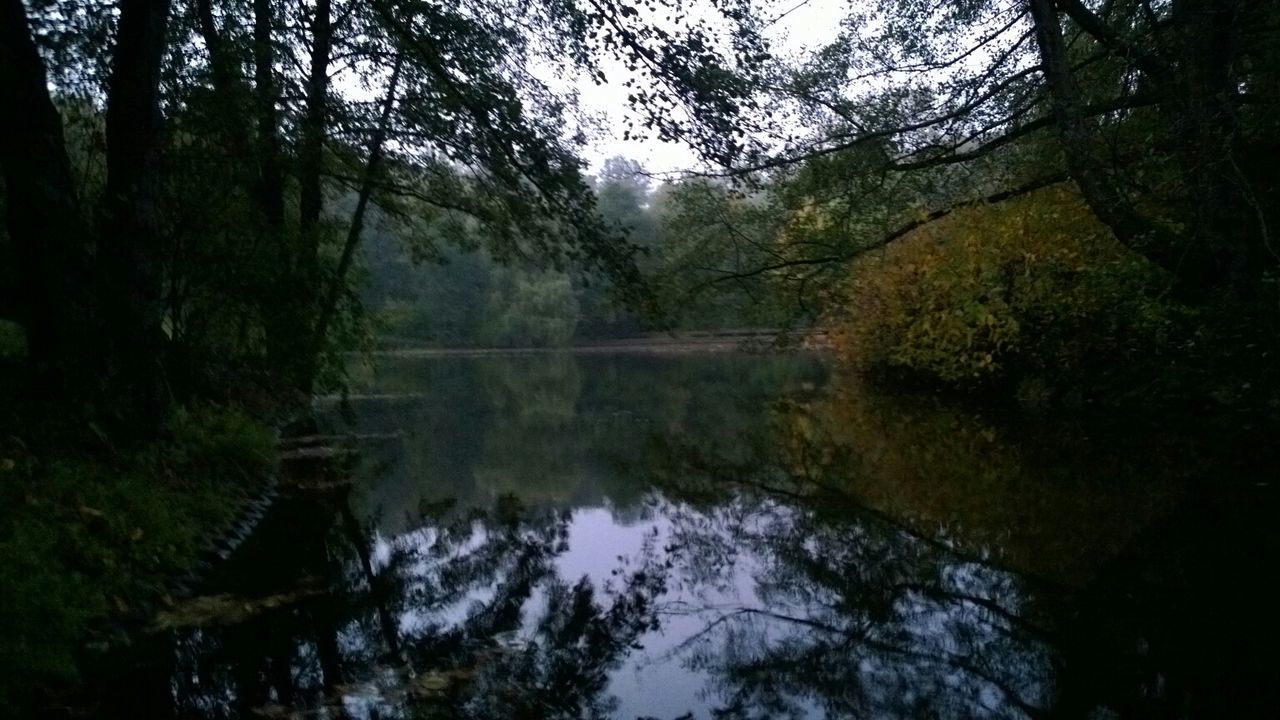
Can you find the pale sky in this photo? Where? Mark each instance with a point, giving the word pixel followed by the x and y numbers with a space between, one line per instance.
pixel 803 25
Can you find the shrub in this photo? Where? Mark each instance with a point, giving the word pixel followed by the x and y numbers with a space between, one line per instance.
pixel 13 340
pixel 88 537
pixel 1033 290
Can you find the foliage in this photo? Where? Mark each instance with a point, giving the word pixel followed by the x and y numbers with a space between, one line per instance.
pixel 437 285
pixel 1034 286
pixel 1158 111
pixel 13 341
pixel 190 190
pixel 715 236
pixel 529 309
pixel 90 537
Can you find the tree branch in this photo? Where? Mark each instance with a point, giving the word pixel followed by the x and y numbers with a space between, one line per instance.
pixel 1098 28
pixel 897 233
pixel 1121 103
pixel 885 133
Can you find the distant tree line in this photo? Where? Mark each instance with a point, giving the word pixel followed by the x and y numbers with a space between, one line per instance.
pixel 187 184
pixel 173 171
pixel 420 288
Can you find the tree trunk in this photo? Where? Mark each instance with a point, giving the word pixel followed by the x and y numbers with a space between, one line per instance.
pixel 44 217
pixel 1204 117
pixel 129 253
pixel 280 317
pixel 1089 173
pixel 228 88
pixel 329 305
pixel 311 153
pixel 1221 249
pixel 221 64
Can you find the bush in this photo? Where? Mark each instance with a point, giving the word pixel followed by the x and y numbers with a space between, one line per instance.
pixel 1032 291
pixel 13 340
pixel 88 537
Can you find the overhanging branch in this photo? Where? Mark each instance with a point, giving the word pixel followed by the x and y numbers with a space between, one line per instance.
pixel 896 234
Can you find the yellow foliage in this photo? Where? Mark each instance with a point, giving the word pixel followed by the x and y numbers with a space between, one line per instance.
pixel 963 297
pixel 979 482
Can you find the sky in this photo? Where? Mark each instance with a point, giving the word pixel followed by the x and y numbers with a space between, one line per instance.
pixel 805 25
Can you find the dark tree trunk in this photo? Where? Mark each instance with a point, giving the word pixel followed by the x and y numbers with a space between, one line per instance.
pixel 228 86
pixel 1089 173
pixel 44 217
pixel 279 315
pixel 302 277
pixel 129 253
pixel 221 63
pixel 1221 250
pixel 311 152
pixel 1204 116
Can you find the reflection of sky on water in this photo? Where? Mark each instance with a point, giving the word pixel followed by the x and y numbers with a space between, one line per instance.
pixel 731 567
pixel 726 606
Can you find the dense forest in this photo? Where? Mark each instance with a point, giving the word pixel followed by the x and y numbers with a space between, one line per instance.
pixel 187 185
pixel 209 205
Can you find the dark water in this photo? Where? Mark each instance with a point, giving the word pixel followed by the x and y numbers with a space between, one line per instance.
pixel 725 536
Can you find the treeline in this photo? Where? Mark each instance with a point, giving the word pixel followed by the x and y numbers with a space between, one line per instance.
pixel 1064 202
pixel 428 288
pixel 186 184
pixel 185 189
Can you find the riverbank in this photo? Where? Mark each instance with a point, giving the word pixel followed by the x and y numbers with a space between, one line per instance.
pixel 646 343
pixel 95 539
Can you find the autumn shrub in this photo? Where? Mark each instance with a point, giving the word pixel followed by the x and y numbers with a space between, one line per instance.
pixel 1032 293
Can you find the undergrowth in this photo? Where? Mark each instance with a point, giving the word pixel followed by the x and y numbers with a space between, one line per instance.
pixel 93 535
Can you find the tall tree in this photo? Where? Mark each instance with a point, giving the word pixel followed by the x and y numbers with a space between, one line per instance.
pixel 270 190
pixel 1156 111
pixel 128 249
pixel 46 229
pixel 314 131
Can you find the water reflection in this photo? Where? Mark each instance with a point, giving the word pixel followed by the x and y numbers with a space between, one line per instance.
pixel 853 613
pixel 711 537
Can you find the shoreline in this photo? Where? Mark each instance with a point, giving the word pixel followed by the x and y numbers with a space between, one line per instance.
pixel 650 344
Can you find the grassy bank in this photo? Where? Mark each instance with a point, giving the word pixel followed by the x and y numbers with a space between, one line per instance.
pixel 90 535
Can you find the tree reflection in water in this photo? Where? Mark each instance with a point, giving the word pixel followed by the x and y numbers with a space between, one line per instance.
pixel 462 618
pixel 853 614
pixel 769 546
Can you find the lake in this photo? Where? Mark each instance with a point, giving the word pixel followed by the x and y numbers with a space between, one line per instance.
pixel 727 535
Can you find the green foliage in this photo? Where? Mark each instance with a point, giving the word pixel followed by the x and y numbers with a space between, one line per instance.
pixel 1029 288
pixel 715 237
pixel 86 537
pixel 13 340
pixel 530 309
pixel 441 284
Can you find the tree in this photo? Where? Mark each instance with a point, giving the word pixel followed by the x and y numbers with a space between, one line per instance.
pixel 223 116
pixel 46 231
pixel 1155 110
pixel 128 250
pixel 44 210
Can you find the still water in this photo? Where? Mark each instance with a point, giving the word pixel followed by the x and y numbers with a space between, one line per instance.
pixel 726 536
